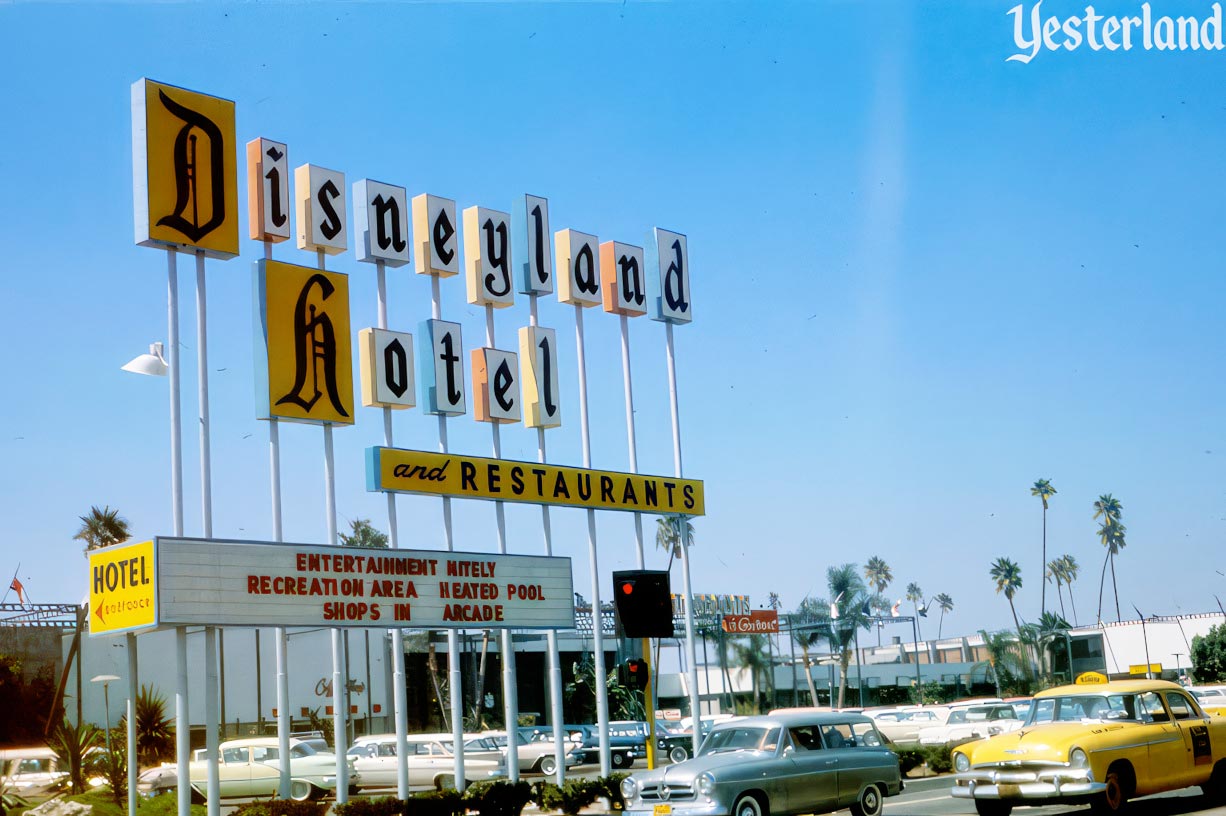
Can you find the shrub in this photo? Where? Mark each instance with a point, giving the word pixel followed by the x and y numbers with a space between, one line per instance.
pixel 497 798
pixel 909 759
pixel 281 807
pixel 938 758
pixel 572 797
pixel 611 789
pixel 381 806
pixel 446 802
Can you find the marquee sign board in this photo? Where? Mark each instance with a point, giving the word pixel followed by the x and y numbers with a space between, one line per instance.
pixel 668 277
pixel 303 361
pixel 396 470
pixel 252 583
pixel 533 255
pixel 387 368
pixel 184 170
pixel 321 210
pixel 268 202
pixel 437 235
pixel 122 588
pixel 381 219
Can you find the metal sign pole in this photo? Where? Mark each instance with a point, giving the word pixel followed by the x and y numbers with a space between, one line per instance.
pixel 399 696
pixel 510 702
pixel 602 692
pixel 182 722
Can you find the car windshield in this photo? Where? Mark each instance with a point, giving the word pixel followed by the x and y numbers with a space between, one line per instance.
pixel 302 750
pixel 1074 707
pixel 740 738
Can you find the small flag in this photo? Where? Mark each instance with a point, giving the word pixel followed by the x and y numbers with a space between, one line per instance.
pixel 894 608
pixel 17 587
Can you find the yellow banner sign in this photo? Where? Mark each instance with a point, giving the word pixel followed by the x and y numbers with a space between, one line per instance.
pixel 392 470
pixel 185 171
pixel 122 588
pixel 1140 668
pixel 1090 679
pixel 306 369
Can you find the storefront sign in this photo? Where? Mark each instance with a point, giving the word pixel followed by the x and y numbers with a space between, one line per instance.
pixel 758 622
pixel 247 583
pixel 473 477
pixel 712 606
pixel 122 588
pixel 1142 669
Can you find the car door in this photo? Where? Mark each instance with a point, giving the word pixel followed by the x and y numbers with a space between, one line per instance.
pixel 1193 725
pixel 264 779
pixel 1167 763
pixel 234 772
pixel 849 760
pixel 814 772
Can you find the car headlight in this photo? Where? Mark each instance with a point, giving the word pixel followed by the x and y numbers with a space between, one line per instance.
pixel 962 763
pixel 1077 758
pixel 705 783
pixel 629 788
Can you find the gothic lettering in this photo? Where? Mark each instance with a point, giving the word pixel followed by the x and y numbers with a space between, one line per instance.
pixel 314 349
pixel 273 175
pixel 496 254
pixel 331 226
pixel 450 358
pixel 674 281
pixel 585 271
pixel 632 286
pixel 441 235
pixel 396 368
pixel 503 380
pixel 387 219
pixel 186 215
pixel 538 226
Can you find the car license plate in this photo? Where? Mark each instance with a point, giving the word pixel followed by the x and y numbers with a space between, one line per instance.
pixel 1009 790
pixel 662 810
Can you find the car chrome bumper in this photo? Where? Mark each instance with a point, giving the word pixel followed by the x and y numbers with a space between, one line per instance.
pixel 689 807
pixel 1054 783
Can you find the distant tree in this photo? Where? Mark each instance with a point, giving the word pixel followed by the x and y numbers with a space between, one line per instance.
pixel 1043 489
pixel 1055 573
pixel 363 534
pixel 1008 667
pixel 878 574
pixel 848 615
pixel 946 604
pixel 668 535
pixel 1111 535
pixel 751 654
pixel 1008 577
pixel 809 625
pixel 102 528
pixel 915 595
pixel 1209 656
pixel 1070 568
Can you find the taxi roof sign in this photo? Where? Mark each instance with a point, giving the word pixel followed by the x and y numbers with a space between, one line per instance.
pixel 1090 679
pixel 122 588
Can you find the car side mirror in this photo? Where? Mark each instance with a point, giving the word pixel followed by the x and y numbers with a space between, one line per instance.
pixel 788 750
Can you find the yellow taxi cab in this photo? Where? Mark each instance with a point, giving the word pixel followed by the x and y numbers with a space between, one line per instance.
pixel 1097 744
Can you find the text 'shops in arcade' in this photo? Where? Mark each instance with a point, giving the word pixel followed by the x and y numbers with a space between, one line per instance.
pixel 643 603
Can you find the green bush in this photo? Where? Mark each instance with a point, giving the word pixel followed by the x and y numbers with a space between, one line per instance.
pixel 572 797
pixel 281 807
pixel 938 758
pixel 611 789
pixel 446 802
pixel 380 806
pixel 497 798
pixel 909 759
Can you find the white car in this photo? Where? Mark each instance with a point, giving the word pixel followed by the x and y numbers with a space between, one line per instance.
pixel 23 770
pixel 431 761
pixel 971 723
pixel 252 767
pixel 902 726
pixel 536 753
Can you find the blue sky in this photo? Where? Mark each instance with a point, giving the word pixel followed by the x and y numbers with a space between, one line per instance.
pixel 923 277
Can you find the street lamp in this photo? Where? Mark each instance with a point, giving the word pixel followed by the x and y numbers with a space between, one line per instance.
pixel 153 364
pixel 105 680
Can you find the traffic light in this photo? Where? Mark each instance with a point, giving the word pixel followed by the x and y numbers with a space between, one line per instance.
pixel 637 674
pixel 643 603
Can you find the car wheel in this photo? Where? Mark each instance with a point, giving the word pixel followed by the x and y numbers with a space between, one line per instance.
pixel 992 807
pixel 678 754
pixel 619 760
pixel 197 797
pixel 300 790
pixel 1112 799
pixel 354 790
pixel 1215 788
pixel 869 803
pixel 748 805
pixel 548 765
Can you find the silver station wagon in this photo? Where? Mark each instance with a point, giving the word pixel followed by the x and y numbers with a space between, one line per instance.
pixel 778 764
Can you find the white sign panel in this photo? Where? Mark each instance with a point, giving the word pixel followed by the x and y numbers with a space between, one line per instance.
pixel 487 246
pixel 381 217
pixel 246 583
pixel 533 255
pixel 321 209
pixel 387 368
pixel 668 277
pixel 437 236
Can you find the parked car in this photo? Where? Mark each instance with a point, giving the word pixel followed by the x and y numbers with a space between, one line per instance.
pixel 903 725
pixel 1101 744
pixel 621 746
pixel 971 723
pixel 431 761
pixel 774 764
pixel 536 754
pixel 252 767
pixel 24 770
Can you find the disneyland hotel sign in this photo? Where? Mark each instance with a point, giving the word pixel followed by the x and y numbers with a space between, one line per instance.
pixel 1034 31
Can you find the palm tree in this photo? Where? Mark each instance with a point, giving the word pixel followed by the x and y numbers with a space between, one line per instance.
pixel 1050 629
pixel 946 604
pixel 751 654
pixel 879 575
pixel 1003 661
pixel 1008 577
pixel 804 625
pixel 668 535
pixel 155 732
pixel 1069 567
pixel 102 528
pixel 1055 572
pixel 1043 489
pixel 1111 534
pixel 847 615
pixel 915 595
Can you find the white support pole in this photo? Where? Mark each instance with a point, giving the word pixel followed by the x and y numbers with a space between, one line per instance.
pixel 340 710
pixel 210 720
pixel 183 725
pixel 172 363
pixel 455 681
pixel 399 693
pixel 202 383
pixel 133 691
pixel 510 695
pixel 602 692
pixel 280 650
pixel 691 647
pixel 551 636
pixel 631 439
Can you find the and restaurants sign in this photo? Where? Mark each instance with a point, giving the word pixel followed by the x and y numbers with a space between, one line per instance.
pixel 183 581
pixel 758 622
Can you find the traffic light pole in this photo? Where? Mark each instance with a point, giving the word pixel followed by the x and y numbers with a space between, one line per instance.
pixel 648 697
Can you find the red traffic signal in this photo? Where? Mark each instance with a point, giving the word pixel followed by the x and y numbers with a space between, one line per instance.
pixel 637 674
pixel 643 603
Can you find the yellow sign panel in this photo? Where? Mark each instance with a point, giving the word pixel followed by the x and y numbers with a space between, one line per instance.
pixel 304 372
pixel 185 169
pixel 1140 668
pixel 392 470
pixel 1090 679
pixel 122 588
